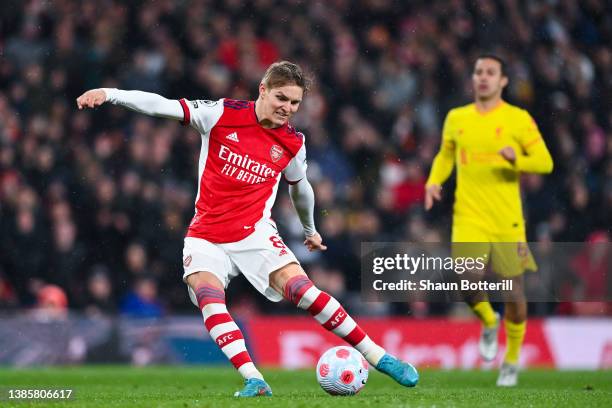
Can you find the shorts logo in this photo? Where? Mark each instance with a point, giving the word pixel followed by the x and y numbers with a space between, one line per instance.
pixel 276 152
pixel 187 261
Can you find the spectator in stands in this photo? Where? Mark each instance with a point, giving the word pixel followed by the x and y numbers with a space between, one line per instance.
pixel 99 299
pixel 51 304
pixel 142 300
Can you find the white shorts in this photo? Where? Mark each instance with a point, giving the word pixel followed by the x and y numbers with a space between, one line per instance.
pixel 256 257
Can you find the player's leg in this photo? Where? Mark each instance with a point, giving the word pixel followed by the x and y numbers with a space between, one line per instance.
pixel 511 257
pixel 272 269
pixel 515 323
pixel 470 241
pixel 488 342
pixel 295 286
pixel 478 301
pixel 207 292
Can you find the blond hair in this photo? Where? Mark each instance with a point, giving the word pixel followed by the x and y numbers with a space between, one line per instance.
pixel 286 73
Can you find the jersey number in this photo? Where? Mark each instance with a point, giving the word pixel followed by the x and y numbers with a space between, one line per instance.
pixel 277 242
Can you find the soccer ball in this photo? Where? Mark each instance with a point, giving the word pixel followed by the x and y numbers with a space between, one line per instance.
pixel 342 371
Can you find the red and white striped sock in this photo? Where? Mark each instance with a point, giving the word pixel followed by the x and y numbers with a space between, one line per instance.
pixel 224 330
pixel 330 314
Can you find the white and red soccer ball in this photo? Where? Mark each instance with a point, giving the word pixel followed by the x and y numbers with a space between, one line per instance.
pixel 342 371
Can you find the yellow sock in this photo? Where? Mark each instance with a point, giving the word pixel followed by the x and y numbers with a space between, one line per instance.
pixel 485 313
pixel 515 333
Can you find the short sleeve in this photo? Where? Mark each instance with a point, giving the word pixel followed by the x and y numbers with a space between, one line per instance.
pixel 296 169
pixel 201 114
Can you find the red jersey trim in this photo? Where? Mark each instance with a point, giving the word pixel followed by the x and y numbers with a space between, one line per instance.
pixel 186 114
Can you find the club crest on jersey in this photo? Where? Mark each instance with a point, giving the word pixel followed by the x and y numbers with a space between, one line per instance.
pixel 276 153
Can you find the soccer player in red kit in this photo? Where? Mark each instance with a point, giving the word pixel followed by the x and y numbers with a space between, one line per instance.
pixel 246 147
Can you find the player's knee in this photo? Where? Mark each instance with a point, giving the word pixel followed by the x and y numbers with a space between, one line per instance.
pixel 296 287
pixel 515 318
pixel 203 291
pixel 198 279
pixel 472 298
pixel 206 294
pixel 515 312
pixel 280 278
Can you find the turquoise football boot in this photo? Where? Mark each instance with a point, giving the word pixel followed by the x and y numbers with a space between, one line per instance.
pixel 254 387
pixel 403 373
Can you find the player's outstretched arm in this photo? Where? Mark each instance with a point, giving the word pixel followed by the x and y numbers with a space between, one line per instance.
pixel 302 196
pixel 144 102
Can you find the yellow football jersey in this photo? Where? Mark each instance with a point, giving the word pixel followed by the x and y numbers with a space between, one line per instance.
pixel 488 191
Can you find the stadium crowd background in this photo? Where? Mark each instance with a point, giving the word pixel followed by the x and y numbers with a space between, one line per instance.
pixel 97 202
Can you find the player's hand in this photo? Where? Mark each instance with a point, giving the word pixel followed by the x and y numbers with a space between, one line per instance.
pixel 315 243
pixel 508 153
pixel 91 98
pixel 433 192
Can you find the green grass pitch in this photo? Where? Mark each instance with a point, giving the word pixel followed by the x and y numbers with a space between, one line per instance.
pixel 184 387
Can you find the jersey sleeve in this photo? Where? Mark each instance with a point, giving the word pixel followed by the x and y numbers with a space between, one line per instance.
pixel 144 102
pixel 202 115
pixel 527 133
pixel 444 161
pixel 296 169
pixel 534 157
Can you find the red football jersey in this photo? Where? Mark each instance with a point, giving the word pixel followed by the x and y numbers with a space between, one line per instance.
pixel 240 167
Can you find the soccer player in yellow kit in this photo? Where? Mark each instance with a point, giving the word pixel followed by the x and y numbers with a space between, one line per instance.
pixel 491 142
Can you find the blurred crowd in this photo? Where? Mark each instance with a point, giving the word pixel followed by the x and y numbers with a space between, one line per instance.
pixel 95 203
